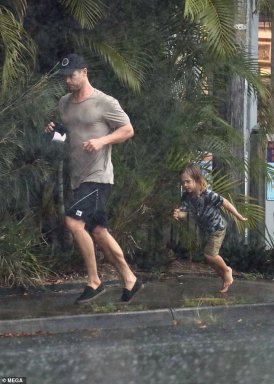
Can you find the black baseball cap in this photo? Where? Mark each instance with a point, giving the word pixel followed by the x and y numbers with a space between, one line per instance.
pixel 70 63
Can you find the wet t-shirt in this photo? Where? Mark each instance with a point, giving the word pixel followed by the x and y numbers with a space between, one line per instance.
pixel 94 117
pixel 204 209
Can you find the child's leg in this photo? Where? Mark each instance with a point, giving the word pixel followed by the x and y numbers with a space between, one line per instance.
pixel 211 252
pixel 223 270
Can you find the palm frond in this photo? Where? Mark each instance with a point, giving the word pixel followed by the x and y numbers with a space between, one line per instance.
pixel 86 12
pixel 261 169
pixel 32 91
pixel 18 51
pixel 247 68
pixel 17 7
pixel 194 8
pixel 225 186
pixel 253 212
pixel 177 159
pixel 129 70
pixel 222 184
pixel 217 20
pixel 223 150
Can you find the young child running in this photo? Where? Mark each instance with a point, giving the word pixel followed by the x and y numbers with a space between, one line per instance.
pixel 203 205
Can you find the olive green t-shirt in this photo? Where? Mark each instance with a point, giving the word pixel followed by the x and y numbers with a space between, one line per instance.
pixel 96 116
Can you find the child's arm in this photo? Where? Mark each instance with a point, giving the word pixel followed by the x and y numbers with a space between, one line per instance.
pixel 179 214
pixel 229 207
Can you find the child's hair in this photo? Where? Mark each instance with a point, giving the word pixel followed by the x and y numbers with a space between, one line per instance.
pixel 195 172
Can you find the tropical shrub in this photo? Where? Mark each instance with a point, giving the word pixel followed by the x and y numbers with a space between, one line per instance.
pixel 21 261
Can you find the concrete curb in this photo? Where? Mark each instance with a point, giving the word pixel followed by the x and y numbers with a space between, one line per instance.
pixel 233 312
pixel 122 320
pixel 59 324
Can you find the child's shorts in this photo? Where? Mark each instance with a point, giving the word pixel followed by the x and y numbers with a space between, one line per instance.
pixel 213 243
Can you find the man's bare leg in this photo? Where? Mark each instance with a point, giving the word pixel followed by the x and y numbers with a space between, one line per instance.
pixel 223 270
pixel 114 254
pixel 86 246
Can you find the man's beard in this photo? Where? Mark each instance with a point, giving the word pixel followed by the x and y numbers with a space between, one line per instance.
pixel 73 88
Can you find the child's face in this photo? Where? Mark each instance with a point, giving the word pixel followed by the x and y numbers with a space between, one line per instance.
pixel 188 183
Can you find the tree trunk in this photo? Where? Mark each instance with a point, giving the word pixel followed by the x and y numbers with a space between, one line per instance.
pixel 234 113
pixel 67 240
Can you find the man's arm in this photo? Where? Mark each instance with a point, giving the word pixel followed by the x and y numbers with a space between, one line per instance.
pixel 229 207
pixel 118 136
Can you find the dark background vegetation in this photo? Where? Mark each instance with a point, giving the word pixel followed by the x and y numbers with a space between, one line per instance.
pixel 177 115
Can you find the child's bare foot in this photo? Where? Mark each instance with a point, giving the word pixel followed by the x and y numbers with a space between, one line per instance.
pixel 228 280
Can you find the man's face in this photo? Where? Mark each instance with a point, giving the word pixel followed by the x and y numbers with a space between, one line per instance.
pixel 75 81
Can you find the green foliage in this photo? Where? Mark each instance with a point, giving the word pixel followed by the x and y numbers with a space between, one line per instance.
pixel 206 301
pixel 73 26
pixel 225 186
pixel 185 241
pixel 20 250
pixel 180 88
pixel 86 12
pixel 216 17
pixel 253 258
pixel 179 130
pixel 130 70
pixel 23 164
pixel 16 47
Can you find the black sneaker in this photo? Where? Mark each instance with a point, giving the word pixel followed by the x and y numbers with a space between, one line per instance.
pixel 127 294
pixel 90 294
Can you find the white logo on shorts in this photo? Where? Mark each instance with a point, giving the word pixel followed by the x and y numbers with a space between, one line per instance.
pixel 79 213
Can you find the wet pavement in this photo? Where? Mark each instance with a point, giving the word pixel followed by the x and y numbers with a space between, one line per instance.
pixel 162 300
pixel 237 348
pixel 176 330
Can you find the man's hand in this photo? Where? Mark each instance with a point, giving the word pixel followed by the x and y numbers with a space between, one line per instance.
pixel 50 127
pixel 179 214
pixel 94 144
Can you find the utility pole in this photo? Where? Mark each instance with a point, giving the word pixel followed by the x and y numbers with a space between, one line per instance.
pixel 242 106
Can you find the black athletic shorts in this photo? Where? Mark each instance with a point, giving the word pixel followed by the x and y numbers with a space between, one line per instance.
pixel 88 203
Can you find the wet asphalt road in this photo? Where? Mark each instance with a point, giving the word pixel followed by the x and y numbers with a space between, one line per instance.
pixel 236 350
